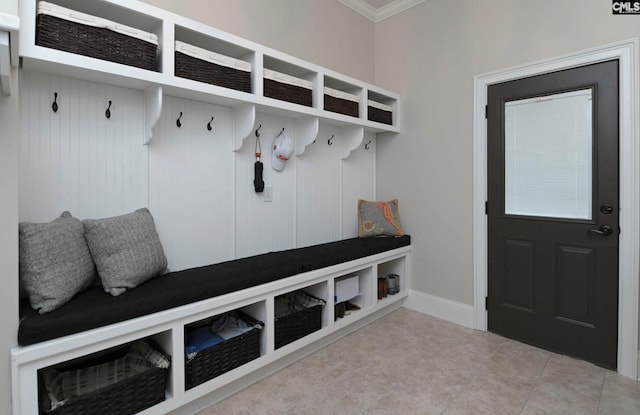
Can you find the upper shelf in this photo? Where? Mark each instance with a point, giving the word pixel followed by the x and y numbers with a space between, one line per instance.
pixel 216 44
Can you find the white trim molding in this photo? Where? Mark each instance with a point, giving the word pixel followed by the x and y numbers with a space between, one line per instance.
pixel 441 308
pixel 378 14
pixel 629 270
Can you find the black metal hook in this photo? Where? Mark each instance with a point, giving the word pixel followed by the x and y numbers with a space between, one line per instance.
pixel 178 123
pixel 107 113
pixel 54 106
pixel 330 141
pixel 366 146
pixel 281 132
pixel 258 131
pixel 209 124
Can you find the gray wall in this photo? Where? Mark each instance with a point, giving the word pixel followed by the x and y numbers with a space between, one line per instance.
pixel 429 55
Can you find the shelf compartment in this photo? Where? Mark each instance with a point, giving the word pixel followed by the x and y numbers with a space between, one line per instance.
pixel 354 288
pixel 120 380
pixel 211 60
pixel 341 102
pixel 84 34
pixel 342 97
pixel 397 269
pixel 213 68
pixel 379 112
pixel 224 351
pixel 380 108
pixel 351 290
pixel 285 81
pixel 297 314
pixel 287 88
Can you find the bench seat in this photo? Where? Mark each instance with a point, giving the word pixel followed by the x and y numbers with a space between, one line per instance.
pixel 94 308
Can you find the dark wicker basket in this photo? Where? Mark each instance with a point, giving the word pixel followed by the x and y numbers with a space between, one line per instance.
pixel 128 397
pixel 341 106
pixel 95 42
pixel 225 356
pixel 379 115
pixel 287 92
pixel 296 325
pixel 211 73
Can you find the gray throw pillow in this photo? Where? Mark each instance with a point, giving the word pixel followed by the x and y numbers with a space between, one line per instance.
pixel 55 262
pixel 379 219
pixel 126 249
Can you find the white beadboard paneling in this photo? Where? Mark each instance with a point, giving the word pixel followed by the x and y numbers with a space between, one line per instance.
pixel 77 159
pixel 191 183
pixel 198 189
pixel 265 226
pixel 319 189
pixel 358 182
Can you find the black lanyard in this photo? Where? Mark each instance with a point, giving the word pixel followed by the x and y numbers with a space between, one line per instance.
pixel 258 183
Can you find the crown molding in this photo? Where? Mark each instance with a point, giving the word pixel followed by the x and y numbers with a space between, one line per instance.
pixel 377 15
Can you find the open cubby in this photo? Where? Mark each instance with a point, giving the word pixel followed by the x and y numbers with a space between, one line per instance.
pixel 345 286
pixel 394 267
pixel 381 108
pixel 204 58
pixel 342 97
pixel 111 11
pixel 299 313
pixel 221 343
pixel 288 82
pixel 75 31
pixel 130 377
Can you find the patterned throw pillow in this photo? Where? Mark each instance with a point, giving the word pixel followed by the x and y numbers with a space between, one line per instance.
pixel 378 219
pixel 126 249
pixel 55 263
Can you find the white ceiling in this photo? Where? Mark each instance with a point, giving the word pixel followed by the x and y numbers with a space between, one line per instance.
pixel 377 10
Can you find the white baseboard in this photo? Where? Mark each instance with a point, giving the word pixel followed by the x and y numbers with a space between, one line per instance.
pixel 439 307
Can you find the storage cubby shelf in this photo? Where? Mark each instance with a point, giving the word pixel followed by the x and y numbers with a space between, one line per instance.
pixel 170 27
pixel 167 328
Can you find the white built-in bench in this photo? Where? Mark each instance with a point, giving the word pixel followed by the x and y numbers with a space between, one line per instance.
pixel 162 307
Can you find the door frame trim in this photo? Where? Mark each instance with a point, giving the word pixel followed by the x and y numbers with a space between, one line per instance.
pixel 629 264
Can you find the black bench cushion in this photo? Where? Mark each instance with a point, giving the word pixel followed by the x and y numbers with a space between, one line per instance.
pixel 94 308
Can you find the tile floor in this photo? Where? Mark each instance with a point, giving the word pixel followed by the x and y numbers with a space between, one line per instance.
pixel 409 363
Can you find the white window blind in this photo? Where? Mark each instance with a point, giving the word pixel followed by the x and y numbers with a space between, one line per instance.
pixel 548 156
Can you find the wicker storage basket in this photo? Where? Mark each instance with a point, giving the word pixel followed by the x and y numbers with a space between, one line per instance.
pixel 126 397
pixel 225 356
pixel 83 34
pixel 287 88
pixel 341 102
pixel 300 323
pixel 203 65
pixel 379 112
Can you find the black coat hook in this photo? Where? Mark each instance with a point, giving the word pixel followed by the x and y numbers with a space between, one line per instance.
pixel 366 146
pixel 258 131
pixel 107 113
pixel 178 123
pixel 281 132
pixel 330 141
pixel 54 106
pixel 209 124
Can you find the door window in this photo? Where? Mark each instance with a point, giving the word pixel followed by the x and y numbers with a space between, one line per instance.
pixel 548 156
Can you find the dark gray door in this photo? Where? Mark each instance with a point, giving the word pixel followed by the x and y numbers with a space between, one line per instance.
pixel 553 211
